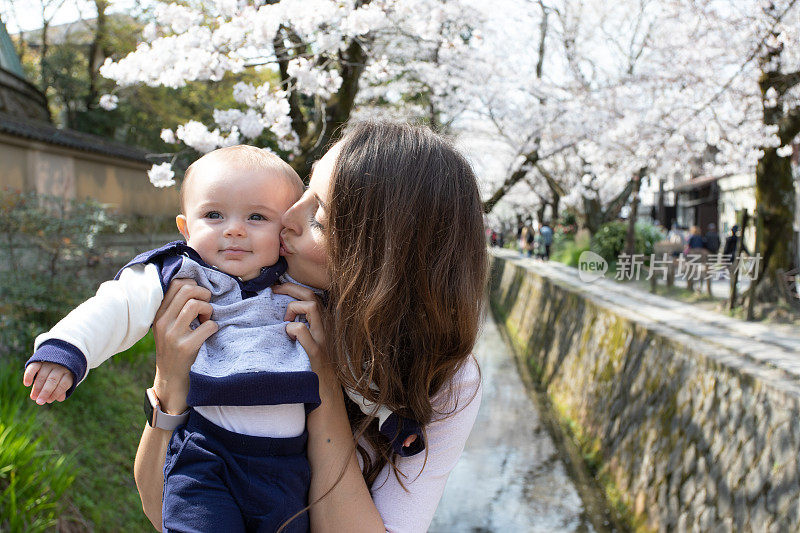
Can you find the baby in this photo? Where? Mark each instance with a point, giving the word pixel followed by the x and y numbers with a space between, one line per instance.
pixel 239 461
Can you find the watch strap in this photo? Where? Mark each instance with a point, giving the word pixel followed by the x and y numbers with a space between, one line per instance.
pixel 158 418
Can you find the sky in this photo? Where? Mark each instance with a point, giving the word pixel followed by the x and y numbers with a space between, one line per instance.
pixel 25 15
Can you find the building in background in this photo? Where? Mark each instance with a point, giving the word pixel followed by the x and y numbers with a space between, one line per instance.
pixel 737 193
pixel 721 200
pixel 697 202
pixel 36 156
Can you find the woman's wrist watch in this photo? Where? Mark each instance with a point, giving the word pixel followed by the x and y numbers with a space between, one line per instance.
pixel 157 418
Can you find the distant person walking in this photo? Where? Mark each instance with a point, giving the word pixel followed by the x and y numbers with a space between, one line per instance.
pixel 547 240
pixel 674 237
pixel 695 240
pixel 530 238
pixel 712 239
pixel 730 245
pixel 522 240
pixel 526 241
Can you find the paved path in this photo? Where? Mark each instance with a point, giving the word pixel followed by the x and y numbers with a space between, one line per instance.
pixel 510 477
pixel 775 345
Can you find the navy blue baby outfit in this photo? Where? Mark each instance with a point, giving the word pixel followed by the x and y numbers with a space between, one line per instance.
pixel 219 481
pixel 216 480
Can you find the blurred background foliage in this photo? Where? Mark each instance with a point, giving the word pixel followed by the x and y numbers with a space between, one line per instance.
pixel 65 467
pixel 65 64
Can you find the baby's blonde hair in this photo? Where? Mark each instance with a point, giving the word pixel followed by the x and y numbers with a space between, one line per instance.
pixel 245 155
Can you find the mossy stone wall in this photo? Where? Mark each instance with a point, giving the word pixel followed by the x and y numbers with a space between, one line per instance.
pixel 683 435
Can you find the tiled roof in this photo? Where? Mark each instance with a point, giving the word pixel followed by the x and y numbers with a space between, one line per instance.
pixel 44 132
pixel 696 183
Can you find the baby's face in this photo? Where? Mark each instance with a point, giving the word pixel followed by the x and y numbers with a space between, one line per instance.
pixel 233 216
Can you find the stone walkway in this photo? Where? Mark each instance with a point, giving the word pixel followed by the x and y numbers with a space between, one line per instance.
pixel 775 345
pixel 510 476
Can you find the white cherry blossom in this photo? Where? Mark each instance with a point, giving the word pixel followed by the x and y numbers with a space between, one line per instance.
pixel 161 175
pixel 109 101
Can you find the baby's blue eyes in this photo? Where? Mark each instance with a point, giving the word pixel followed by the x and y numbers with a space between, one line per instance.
pixel 216 215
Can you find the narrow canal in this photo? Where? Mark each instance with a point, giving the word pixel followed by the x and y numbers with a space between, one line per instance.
pixel 512 476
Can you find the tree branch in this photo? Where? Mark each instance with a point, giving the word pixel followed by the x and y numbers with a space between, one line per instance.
pixel 299 124
pixel 789 125
pixel 551 181
pixel 615 205
pixel 783 82
pixel 513 179
pixel 352 62
pixel 542 39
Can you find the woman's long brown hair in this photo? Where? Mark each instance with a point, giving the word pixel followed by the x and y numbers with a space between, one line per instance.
pixel 408 268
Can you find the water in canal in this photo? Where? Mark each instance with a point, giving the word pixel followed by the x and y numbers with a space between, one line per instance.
pixel 511 476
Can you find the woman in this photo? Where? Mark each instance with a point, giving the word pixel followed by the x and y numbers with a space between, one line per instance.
pixel 523 240
pixel 695 241
pixel 391 225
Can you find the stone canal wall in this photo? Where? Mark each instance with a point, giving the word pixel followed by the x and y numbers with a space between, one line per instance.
pixel 685 434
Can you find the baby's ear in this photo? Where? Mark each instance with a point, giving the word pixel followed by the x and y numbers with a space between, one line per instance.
pixel 180 221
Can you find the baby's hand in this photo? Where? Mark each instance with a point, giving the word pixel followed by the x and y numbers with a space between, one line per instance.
pixel 409 441
pixel 50 381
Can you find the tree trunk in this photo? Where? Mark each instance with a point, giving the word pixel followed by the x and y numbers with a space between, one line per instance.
pixel 630 239
pixel 555 203
pixel 592 214
pixel 315 141
pixel 775 195
pixel 595 215
pixel 540 212
pixel 43 56
pixel 97 54
pixel 775 201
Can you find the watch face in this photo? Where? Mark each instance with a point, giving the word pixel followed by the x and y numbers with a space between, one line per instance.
pixel 148 408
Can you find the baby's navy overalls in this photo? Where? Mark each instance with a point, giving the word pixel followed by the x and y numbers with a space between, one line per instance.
pixel 216 480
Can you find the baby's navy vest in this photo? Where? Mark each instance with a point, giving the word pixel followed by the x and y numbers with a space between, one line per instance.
pixel 250 360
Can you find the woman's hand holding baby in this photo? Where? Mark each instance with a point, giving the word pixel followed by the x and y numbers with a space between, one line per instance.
pixel 330 438
pixel 50 381
pixel 312 335
pixel 183 302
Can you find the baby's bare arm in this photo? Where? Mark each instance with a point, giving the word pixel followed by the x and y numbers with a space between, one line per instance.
pixel 50 381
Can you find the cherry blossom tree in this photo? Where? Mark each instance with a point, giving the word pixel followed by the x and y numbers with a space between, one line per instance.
pixel 560 102
pixel 427 68
pixel 656 85
pixel 564 100
pixel 329 56
pixel 737 67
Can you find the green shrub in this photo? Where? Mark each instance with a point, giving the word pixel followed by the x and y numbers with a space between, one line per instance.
pixel 150 224
pixel 32 479
pixel 49 264
pixel 567 251
pixel 648 235
pixel 568 219
pixel 47 248
pixel 567 224
pixel 609 241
